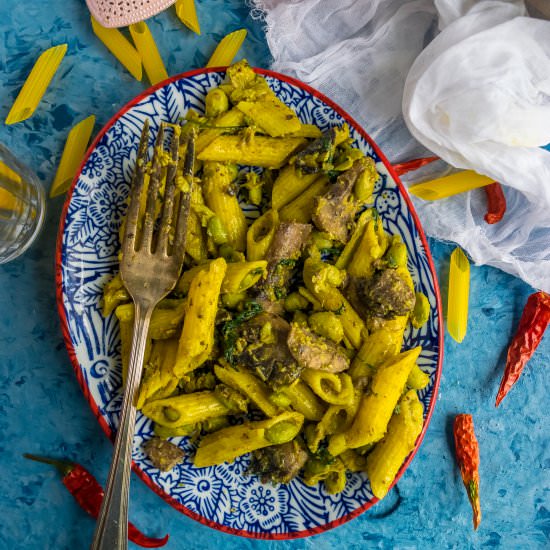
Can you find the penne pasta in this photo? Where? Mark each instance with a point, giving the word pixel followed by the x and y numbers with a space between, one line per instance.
pixel 447 186
pixel 227 49
pixel 187 14
pixel 301 208
pixel 303 400
pixel 249 385
pixel 222 200
pixel 73 153
pixel 36 84
pixel 290 183
pixel 147 49
pixel 184 409
pixel 260 235
pixel 271 115
pixel 388 455
pixel 263 151
pixel 197 335
pixel 121 48
pixel 335 389
pixel 228 443
pixel 376 407
pixel 225 122
pixel 239 276
pixel 458 295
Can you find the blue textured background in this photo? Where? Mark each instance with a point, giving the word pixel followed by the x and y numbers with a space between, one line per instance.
pixel 41 406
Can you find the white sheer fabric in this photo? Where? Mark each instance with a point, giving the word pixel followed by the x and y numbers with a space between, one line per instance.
pixel 478 96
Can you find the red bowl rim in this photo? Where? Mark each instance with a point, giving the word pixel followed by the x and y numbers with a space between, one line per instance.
pixel 76 365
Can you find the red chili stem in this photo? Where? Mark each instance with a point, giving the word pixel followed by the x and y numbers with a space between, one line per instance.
pixel 532 324
pixel 496 203
pixel 415 164
pixel 87 491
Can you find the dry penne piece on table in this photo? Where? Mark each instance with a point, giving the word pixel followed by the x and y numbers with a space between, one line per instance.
pixel 283 336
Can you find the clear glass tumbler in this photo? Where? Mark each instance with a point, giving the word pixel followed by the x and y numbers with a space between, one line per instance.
pixel 22 206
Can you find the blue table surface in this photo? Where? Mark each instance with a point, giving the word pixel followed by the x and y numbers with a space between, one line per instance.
pixel 43 411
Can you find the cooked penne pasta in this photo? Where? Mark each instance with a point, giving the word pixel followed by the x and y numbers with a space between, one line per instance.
pixel 271 115
pixel 197 335
pixel 188 408
pixel 221 199
pixel 259 150
pixel 290 183
pixel 294 320
pixel 301 208
pixel 158 379
pixel 249 385
pixel 228 443
pixel 303 400
pixel 388 455
pixel 376 407
pixel 260 235
pixel 333 388
pixel 239 276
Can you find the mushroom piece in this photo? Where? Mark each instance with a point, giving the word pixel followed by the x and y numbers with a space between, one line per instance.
pixel 315 352
pixel 279 463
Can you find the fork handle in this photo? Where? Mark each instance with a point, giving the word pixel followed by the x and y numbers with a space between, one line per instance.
pixel 111 532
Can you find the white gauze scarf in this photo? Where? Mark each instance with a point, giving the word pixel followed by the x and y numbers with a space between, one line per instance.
pixel 470 80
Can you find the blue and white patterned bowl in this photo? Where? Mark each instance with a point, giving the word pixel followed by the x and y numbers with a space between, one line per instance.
pixel 223 497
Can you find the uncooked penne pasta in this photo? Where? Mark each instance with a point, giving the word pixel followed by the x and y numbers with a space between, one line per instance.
pixel 227 49
pixel 73 153
pixel 187 14
pixel 150 56
pixel 36 84
pixel 447 186
pixel 121 48
pixel 458 295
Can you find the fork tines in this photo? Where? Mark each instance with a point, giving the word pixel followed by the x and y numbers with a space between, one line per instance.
pixel 163 164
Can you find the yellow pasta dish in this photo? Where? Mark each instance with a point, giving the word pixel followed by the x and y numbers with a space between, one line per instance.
pixel 283 336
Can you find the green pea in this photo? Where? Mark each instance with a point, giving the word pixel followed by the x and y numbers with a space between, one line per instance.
pixel 396 256
pixel 280 400
pixel 171 414
pixel 295 302
pixel 417 379
pixel 421 311
pixel 216 230
pixel 281 432
pixel 216 102
pixel 300 318
pixel 232 300
pixel 327 324
pixel 321 240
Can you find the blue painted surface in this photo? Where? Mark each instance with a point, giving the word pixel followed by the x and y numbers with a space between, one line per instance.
pixel 42 409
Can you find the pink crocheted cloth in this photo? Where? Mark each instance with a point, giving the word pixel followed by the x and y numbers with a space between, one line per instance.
pixel 119 13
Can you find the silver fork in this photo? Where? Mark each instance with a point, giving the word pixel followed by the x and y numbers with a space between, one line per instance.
pixel 149 271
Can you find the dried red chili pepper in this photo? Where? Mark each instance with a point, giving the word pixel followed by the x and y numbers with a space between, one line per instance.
pixel 467 454
pixel 89 494
pixel 534 320
pixel 496 202
pixel 404 167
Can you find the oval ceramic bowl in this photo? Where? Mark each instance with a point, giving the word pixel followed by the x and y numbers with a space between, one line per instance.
pixel 223 497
